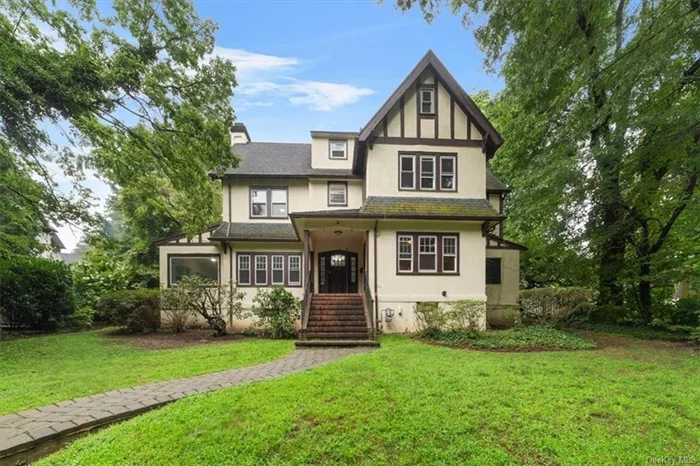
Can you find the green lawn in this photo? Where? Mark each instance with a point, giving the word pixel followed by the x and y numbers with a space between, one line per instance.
pixel 411 403
pixel 42 370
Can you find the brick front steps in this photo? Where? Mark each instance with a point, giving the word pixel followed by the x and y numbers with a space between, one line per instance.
pixel 336 320
pixel 31 434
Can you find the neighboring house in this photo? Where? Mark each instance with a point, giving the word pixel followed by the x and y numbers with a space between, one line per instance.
pixel 362 226
pixel 51 244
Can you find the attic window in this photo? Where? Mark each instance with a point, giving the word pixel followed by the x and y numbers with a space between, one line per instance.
pixel 427 101
pixel 339 149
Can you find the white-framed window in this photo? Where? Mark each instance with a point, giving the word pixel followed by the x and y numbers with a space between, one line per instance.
pixel 427 253
pixel 258 202
pixel 427 100
pixel 294 270
pixel 407 172
pixel 337 194
pixel 405 253
pixel 447 172
pixel 449 254
pixel 338 149
pixel 427 172
pixel 277 269
pixel 261 270
pixel 205 266
pixel 268 202
pixel 243 269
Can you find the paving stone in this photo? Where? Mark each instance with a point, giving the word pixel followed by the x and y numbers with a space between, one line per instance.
pixel 33 426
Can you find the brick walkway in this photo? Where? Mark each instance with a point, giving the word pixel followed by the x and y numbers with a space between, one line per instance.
pixel 28 430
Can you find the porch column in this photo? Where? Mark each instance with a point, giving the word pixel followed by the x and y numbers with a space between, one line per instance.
pixel 306 256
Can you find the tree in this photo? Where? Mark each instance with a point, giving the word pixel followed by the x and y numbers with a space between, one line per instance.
pixel 137 97
pixel 603 95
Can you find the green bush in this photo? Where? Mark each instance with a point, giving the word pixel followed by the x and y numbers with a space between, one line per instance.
pixel 464 314
pixel 35 293
pixel 531 338
pixel 277 309
pixel 687 312
pixel 81 320
pixel 555 306
pixel 132 310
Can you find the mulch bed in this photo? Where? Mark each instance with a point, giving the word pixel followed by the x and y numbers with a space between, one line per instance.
pixel 162 340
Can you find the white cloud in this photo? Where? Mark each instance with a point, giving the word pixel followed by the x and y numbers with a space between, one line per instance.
pixel 268 76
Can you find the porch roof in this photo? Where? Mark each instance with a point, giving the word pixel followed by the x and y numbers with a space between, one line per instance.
pixel 428 208
pixel 229 231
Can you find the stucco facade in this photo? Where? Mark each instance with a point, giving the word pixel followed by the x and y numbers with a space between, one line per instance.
pixel 404 211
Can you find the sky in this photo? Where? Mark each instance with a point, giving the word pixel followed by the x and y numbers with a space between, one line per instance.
pixel 307 65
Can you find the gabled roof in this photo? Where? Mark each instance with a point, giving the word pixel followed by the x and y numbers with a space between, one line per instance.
pixel 428 208
pixel 279 159
pixel 430 60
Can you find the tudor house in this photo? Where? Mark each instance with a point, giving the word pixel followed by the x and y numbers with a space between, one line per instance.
pixel 362 226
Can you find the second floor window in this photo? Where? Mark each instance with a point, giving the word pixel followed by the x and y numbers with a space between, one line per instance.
pixel 339 149
pixel 427 101
pixel 337 194
pixel 268 202
pixel 428 172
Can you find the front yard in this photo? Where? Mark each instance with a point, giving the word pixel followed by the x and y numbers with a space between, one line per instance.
pixel 412 403
pixel 48 369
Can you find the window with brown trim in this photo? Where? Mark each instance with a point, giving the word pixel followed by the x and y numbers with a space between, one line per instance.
pixel 268 202
pixel 427 172
pixel 427 253
pixel 205 266
pixel 427 101
pixel 493 270
pixel 268 269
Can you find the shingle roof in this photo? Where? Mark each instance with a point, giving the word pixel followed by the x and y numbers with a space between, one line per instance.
pixel 254 232
pixel 494 184
pixel 415 208
pixel 280 159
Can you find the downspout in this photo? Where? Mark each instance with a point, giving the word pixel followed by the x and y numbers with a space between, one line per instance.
pixel 376 298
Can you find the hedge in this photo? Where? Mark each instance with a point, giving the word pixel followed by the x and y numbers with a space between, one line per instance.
pixel 132 310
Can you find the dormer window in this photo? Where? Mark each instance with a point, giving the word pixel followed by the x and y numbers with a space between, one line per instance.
pixel 338 149
pixel 427 101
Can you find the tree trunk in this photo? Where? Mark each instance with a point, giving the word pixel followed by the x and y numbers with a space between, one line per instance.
pixel 644 286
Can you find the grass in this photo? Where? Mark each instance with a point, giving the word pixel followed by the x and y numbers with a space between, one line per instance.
pixel 410 403
pixel 48 369
pixel 640 331
pixel 533 338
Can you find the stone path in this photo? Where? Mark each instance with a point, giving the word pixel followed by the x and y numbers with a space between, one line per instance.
pixel 28 430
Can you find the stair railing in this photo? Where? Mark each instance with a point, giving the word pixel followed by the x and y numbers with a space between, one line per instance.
pixel 306 302
pixel 368 304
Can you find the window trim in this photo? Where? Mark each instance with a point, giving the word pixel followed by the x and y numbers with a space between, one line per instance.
pixel 272 269
pixel 192 256
pixel 238 270
pixel 435 254
pixel 268 276
pixel 289 270
pixel 330 149
pixel 398 253
pixel 431 90
pixel 437 170
pixel 443 255
pixel 500 270
pixel 413 172
pixel 434 159
pixel 438 252
pixel 267 269
pixel 335 204
pixel 269 202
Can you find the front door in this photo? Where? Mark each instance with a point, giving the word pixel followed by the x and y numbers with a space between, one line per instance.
pixel 337 272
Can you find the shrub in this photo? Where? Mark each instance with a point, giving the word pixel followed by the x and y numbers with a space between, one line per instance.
pixel 35 293
pixel 687 312
pixel 554 306
pixel 82 319
pixel 212 300
pixel 132 310
pixel 277 309
pixel 464 315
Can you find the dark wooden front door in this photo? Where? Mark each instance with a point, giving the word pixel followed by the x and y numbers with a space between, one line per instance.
pixel 337 272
